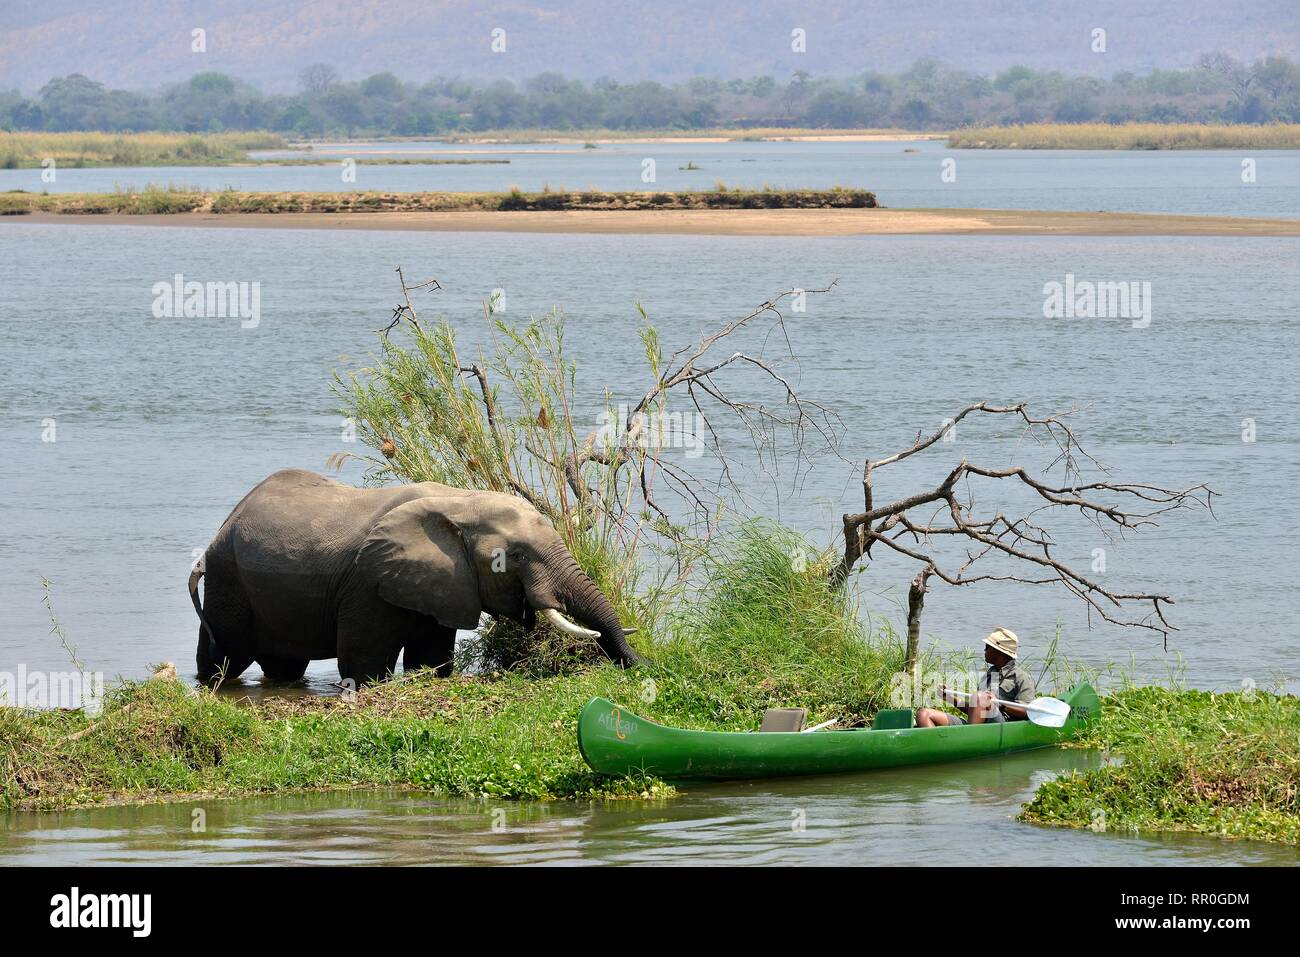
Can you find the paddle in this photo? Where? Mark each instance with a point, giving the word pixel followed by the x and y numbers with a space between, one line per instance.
pixel 1048 712
pixel 818 727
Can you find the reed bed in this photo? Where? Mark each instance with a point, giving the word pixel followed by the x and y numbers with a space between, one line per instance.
pixel 1128 136
pixel 30 150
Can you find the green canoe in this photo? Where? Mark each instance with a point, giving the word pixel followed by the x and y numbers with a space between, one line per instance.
pixel 615 741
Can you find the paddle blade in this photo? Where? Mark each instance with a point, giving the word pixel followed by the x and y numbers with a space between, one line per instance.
pixel 1048 712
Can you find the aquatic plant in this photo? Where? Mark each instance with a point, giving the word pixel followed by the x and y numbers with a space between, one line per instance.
pixel 1178 759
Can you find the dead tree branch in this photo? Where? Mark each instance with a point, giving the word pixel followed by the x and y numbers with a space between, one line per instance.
pixel 1113 507
pixel 406 310
pixel 696 371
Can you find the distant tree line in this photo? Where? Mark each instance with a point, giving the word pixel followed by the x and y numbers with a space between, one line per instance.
pixel 929 95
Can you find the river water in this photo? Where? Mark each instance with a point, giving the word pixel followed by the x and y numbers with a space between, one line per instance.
pixel 903 174
pixel 961 813
pixel 128 438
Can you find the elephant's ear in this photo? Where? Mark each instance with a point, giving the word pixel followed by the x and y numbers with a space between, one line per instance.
pixel 419 560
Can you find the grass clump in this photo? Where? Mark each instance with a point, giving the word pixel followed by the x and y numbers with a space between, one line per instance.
pixel 766 614
pixel 1128 136
pixel 154 737
pixel 1223 764
pixel 131 201
pixel 505 645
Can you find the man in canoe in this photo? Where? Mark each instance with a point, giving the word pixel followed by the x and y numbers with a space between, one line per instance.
pixel 1004 680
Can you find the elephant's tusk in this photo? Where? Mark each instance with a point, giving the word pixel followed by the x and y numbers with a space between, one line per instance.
pixel 568 627
pixel 629 631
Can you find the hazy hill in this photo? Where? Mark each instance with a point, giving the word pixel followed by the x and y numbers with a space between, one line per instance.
pixel 145 43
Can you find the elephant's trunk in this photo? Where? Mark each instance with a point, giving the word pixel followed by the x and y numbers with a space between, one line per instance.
pixel 578 596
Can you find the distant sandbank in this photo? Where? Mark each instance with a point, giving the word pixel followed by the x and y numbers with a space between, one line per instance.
pixel 716 222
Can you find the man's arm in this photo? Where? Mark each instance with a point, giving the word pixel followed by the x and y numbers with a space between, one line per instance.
pixel 1024 694
pixel 946 694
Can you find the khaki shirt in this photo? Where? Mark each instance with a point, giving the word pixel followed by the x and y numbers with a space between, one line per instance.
pixel 1010 683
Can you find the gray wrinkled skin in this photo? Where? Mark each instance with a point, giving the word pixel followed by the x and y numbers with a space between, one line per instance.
pixel 307 568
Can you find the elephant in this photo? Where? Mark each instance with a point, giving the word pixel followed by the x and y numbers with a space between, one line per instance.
pixel 308 568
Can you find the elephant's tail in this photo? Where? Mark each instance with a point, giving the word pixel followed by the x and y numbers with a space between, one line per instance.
pixel 194 597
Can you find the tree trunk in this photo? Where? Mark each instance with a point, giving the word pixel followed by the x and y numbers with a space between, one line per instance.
pixel 915 604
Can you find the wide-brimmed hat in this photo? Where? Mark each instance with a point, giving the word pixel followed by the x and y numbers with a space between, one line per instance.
pixel 1004 640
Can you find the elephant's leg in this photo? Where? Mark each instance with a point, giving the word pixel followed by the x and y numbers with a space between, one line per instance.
pixel 213 665
pixel 361 665
pixel 228 612
pixel 282 669
pixel 371 634
pixel 434 648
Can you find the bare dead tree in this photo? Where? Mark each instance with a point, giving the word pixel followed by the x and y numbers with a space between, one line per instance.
pixel 695 371
pixel 620 469
pixel 915 605
pixel 1115 508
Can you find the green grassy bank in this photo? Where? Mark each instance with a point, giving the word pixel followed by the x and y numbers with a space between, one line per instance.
pixel 763 633
pixel 174 200
pixel 760 634
pixel 1182 760
pixel 1224 764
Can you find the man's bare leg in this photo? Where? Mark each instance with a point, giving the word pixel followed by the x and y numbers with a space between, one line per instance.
pixel 932 718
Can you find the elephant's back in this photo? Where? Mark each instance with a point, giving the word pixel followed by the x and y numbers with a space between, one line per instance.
pixel 299 516
pixel 296 519
pixel 288 545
